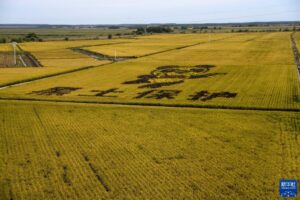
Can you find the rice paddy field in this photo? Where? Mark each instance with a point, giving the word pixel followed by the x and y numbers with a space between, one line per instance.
pixel 181 116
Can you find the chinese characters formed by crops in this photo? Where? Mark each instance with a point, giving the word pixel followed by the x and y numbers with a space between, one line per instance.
pixel 154 82
pixel 172 75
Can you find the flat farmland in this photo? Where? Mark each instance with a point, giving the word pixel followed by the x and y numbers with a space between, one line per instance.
pixel 50 151
pixel 59 56
pixel 153 44
pixel 6 55
pixel 55 57
pixel 241 71
pixel 174 116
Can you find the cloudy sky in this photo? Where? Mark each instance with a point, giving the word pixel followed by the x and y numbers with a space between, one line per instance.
pixel 146 11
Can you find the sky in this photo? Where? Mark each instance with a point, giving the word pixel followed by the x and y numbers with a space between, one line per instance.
pixel 146 11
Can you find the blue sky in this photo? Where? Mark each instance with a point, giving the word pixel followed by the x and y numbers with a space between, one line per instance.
pixel 146 11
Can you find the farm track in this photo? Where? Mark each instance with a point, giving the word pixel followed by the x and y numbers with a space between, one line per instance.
pixel 16 83
pixel 155 105
pixel 97 45
pixel 296 53
pixel 99 56
pixel 32 59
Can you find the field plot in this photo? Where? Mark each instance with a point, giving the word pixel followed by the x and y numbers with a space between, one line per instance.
pixel 58 57
pixel 297 35
pixel 5 47
pixel 251 71
pixel 59 54
pixel 152 44
pixel 6 55
pixel 69 151
pixel 55 57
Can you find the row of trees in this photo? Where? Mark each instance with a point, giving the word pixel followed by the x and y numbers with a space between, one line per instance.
pixel 30 37
pixel 154 29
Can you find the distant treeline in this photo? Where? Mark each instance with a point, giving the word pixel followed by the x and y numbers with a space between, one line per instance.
pixel 136 26
pixel 65 32
pixel 30 37
pixel 154 29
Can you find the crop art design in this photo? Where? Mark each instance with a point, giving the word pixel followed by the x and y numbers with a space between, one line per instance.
pixel 158 94
pixel 171 75
pixel 58 91
pixel 105 93
pixel 205 95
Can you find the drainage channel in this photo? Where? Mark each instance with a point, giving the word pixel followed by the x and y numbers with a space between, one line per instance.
pixel 99 56
pixel 296 53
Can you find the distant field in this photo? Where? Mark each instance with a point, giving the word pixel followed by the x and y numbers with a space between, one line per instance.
pixel 151 44
pixel 68 151
pixel 61 33
pixel 241 70
pixel 57 57
pixel 54 56
pixel 5 48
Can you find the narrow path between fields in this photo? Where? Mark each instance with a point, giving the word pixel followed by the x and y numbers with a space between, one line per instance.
pixel 296 53
pixel 165 105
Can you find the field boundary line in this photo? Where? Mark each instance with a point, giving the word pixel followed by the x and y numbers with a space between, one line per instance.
pixel 296 53
pixel 215 107
pixel 96 45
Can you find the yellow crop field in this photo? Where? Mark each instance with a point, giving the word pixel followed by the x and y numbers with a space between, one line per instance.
pixel 58 57
pixel 242 71
pixel 55 57
pixel 153 44
pixel 54 45
pixel 5 47
pixel 297 37
pixel 69 151
pixel 184 116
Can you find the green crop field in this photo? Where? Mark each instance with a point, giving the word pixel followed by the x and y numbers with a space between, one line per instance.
pixel 167 116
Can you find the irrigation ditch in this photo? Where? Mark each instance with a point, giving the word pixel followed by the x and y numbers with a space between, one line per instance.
pixel 296 53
